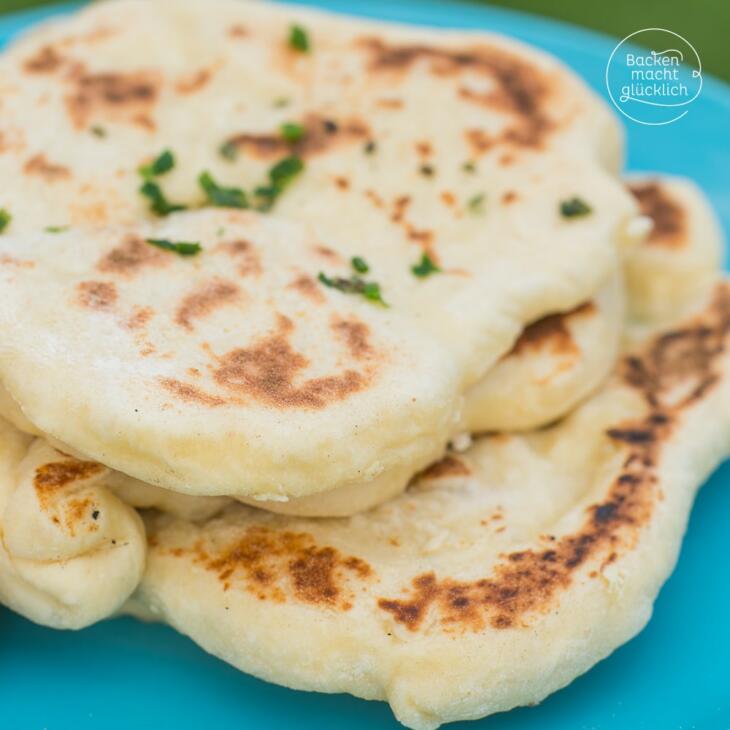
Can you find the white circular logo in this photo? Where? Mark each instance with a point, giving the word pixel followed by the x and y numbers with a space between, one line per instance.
pixel 655 84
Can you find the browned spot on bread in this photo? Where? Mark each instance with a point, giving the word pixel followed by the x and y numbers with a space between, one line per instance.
pixel 342 183
pixel 237 31
pixel 139 318
pixel 268 370
pixel 130 256
pixel 206 299
pixel 672 373
pixel 552 331
pixel 321 135
pixel 281 565
pixel 448 198
pixel 193 82
pixel 356 336
pixel 329 254
pixel 7 260
pixel 389 103
pixel 245 255
pixel 191 393
pixel 46 60
pixel 54 476
pixel 117 97
pixel 400 205
pixel 424 148
pixel 308 288
pixel 521 90
pixel 668 216
pixel 449 466
pixel 97 294
pixel 509 197
pixel 49 171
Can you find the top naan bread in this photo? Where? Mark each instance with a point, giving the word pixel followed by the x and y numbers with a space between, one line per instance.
pixel 404 130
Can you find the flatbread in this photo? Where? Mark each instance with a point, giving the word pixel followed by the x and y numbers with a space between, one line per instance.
pixel 71 553
pixel 468 187
pixel 498 578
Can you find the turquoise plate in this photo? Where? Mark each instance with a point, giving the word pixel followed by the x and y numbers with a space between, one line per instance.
pixel 675 674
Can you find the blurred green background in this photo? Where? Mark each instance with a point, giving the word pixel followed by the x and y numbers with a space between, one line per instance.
pixel 704 23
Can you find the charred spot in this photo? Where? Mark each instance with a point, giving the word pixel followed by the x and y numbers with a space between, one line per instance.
pixel 356 335
pixel 130 256
pixel 308 288
pixel 40 166
pixel 205 300
pixel 268 372
pixel 631 435
pixel 191 393
pixel 244 254
pixel 46 60
pixel 54 476
pixel 194 82
pixel 118 97
pixel 281 565
pixel 668 216
pixel 97 294
pixel 521 91
pixel 552 331
pixel 320 136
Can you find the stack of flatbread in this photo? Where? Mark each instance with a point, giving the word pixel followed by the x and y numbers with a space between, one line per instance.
pixel 342 348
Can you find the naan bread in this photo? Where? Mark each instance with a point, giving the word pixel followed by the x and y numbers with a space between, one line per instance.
pixel 681 254
pixel 71 552
pixel 496 579
pixel 476 184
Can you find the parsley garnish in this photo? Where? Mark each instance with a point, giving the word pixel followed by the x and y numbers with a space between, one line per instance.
pixel 184 248
pixel 281 102
pixel 370 147
pixel 159 204
pixel 425 267
pixel 280 176
pixel 574 208
pixel 163 163
pixel 221 197
pixel 5 219
pixel 360 265
pixel 291 132
pixel 354 285
pixel 229 150
pixel 469 166
pixel 298 38
pixel 98 131
pixel 427 170
pixel 55 229
pixel 476 203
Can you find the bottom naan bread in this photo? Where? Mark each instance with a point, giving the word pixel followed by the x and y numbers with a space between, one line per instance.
pixel 499 577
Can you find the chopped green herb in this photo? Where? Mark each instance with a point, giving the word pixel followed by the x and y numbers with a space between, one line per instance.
pixel 291 132
pixel 5 219
pixel 574 208
pixel 354 285
pixel 228 150
pixel 280 176
pixel 55 229
pixel 425 267
pixel 426 170
pixel 98 131
pixel 370 147
pixel 360 265
pixel 184 248
pixel 298 38
pixel 475 204
pixel 159 204
pixel 281 102
pixel 221 231
pixel 221 197
pixel 163 163
pixel 469 166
